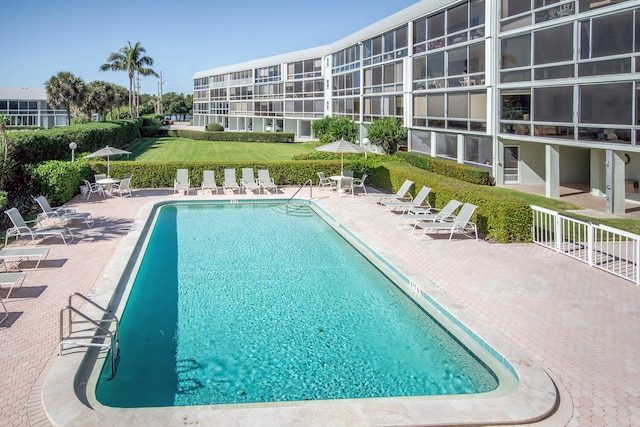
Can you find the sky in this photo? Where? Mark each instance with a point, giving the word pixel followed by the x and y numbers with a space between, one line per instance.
pixel 41 39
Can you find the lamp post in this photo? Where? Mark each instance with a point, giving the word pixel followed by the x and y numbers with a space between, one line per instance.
pixel 366 143
pixel 73 146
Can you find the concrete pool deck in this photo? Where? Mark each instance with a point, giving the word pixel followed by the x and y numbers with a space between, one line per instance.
pixel 577 322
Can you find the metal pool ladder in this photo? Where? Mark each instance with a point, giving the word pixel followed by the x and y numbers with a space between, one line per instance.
pixel 94 333
pixel 307 182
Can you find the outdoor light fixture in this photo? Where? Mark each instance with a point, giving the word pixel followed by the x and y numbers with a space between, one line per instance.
pixel 73 146
pixel 366 143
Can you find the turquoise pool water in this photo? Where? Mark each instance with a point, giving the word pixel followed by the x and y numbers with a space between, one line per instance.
pixel 241 303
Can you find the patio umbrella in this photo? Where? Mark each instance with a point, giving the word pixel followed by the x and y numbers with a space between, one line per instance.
pixel 341 146
pixel 107 152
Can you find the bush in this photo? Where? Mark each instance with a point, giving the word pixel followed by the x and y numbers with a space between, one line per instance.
pixel 387 133
pixel 58 180
pixel 448 168
pixel 284 137
pixel 82 119
pixel 499 217
pixel 332 129
pixel 214 127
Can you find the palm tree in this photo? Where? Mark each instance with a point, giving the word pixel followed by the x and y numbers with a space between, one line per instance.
pixel 97 99
pixel 64 90
pixel 130 59
pixel 3 129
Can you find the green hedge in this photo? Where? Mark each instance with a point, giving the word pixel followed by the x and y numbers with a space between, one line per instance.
pixel 448 168
pixel 58 180
pixel 214 127
pixel 499 217
pixel 233 136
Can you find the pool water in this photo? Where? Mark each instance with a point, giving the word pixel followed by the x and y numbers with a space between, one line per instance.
pixel 242 303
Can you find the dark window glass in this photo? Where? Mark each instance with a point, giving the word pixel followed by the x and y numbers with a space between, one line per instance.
pixel 476 58
pixel 435 105
pixel 612 35
pixel 553 104
pixel 476 13
pixel 609 66
pixel 420 68
pixel 420 31
pixel 402 38
pixel 457 18
pixel 435 26
pixel 514 7
pixel 435 65
pixel 548 73
pixel 376 76
pixel 553 45
pixel 606 103
pixel 377 46
pixel 516 51
pixel 457 63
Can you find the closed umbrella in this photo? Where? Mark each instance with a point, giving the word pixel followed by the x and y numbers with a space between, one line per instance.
pixel 107 152
pixel 341 146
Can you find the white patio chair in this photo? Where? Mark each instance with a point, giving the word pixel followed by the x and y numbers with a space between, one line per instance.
pixel 248 181
pixel 122 187
pixel 431 214
pixel 93 188
pixel 266 182
pixel 462 223
pixel 324 181
pixel 20 228
pixel 209 181
pixel 61 214
pixel 9 280
pixel 402 193
pixel 359 183
pixel 230 181
pixel 417 201
pixel 182 183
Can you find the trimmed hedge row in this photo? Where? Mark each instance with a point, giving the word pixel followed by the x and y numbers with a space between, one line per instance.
pixel 448 168
pixel 498 217
pixel 233 136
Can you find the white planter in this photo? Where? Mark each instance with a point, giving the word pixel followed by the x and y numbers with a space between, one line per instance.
pixel 83 189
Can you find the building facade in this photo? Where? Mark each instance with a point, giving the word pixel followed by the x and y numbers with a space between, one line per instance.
pixel 536 91
pixel 29 107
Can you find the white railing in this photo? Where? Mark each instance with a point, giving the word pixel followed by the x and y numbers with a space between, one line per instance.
pixel 607 248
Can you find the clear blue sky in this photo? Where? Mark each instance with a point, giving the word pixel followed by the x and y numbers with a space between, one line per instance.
pixel 39 39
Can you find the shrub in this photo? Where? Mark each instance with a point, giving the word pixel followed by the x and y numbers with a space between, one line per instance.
pixel 387 133
pixel 448 168
pixel 233 136
pixel 214 127
pixel 58 180
pixel 332 129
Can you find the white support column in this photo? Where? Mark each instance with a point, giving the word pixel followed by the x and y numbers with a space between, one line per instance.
pixel 460 151
pixel 552 170
pixel 433 144
pixel 614 183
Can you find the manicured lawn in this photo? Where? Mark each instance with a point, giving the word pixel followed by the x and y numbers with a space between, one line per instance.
pixel 180 149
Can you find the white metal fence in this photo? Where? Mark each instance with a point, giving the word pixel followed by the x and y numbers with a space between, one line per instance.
pixel 607 248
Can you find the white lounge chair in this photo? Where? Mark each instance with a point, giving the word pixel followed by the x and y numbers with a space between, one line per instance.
pixel 60 214
pixel 93 188
pixel 358 183
pixel 9 280
pixel 434 215
pixel 417 201
pixel 461 223
pixel 230 181
pixel 248 181
pixel 124 186
pixel 182 183
pixel 16 255
pixel 209 181
pixel 324 181
pixel 401 194
pixel 20 228
pixel 266 182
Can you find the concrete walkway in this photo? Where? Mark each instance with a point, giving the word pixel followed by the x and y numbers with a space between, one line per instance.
pixel 577 322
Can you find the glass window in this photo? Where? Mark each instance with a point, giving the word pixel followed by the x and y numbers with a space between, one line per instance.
pixel 553 104
pixel 457 63
pixel 402 38
pixel 553 45
pixel 435 26
pixel 377 76
pixel 478 105
pixel 389 75
pixel 612 35
pixel 420 31
pixel 446 145
pixel 420 105
pixel 516 51
pixel 606 103
pixel 457 18
pixel 515 105
pixel 435 65
pixel 389 42
pixel 377 46
pixel 458 106
pixel 421 141
pixel 515 7
pixel 435 105
pixel 476 58
pixel 478 150
pixel 476 13
pixel 419 68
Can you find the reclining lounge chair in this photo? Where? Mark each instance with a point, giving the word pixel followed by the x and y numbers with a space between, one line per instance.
pixel 60 214
pixel 20 228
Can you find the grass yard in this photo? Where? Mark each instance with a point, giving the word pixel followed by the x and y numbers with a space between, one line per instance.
pixel 180 149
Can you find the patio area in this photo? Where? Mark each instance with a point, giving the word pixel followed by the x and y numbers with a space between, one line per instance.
pixel 576 322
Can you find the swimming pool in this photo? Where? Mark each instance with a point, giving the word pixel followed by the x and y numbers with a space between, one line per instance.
pixel 525 392
pixel 245 303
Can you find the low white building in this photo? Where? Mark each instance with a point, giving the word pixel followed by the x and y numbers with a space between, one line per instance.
pixel 29 107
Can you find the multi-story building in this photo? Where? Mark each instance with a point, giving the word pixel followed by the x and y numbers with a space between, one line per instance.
pixel 29 107
pixel 536 91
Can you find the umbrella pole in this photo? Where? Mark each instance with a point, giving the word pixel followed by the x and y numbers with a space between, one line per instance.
pixel 341 163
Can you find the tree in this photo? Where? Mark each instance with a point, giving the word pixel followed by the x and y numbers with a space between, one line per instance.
pixel 65 90
pixel 96 99
pixel 3 136
pixel 387 132
pixel 331 129
pixel 130 59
